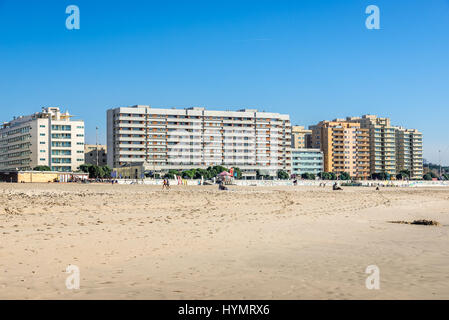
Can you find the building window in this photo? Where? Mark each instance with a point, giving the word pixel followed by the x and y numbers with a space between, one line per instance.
pixel 61 127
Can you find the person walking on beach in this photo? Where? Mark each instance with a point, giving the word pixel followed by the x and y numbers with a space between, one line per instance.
pixel 166 184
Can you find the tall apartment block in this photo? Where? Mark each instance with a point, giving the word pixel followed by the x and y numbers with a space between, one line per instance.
pixel 409 152
pixel 301 138
pixel 382 143
pixel 345 146
pixel 198 138
pixel 47 138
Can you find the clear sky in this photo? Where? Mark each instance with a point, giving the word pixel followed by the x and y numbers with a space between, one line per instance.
pixel 312 59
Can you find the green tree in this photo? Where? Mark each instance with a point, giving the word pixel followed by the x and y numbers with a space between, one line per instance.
pixel 427 176
pixel 188 174
pixel 327 175
pixel 85 168
pixel 96 172
pixel 308 176
pixel 380 176
pixel 42 168
pixel 324 175
pixel 106 172
pixel 344 176
pixel 403 174
pixel 332 176
pixel 201 173
pixel 171 174
pixel 283 175
pixel 215 171
pixel 220 169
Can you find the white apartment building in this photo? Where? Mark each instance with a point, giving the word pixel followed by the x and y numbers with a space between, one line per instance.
pixel 409 150
pixel 198 138
pixel 46 138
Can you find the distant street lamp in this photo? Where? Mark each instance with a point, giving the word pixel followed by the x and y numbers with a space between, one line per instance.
pixel 96 142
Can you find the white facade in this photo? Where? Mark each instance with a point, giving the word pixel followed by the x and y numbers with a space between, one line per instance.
pixel 409 152
pixel 307 161
pixel 198 138
pixel 47 138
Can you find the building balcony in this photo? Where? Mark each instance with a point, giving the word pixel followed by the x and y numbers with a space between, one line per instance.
pixel 133 118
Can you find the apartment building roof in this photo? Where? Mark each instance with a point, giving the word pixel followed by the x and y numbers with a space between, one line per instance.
pixel 203 111
pixel 53 113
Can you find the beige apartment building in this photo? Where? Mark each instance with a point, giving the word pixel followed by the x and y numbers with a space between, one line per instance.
pixel 409 152
pixel 198 138
pixel 382 143
pixel 46 138
pixel 301 137
pixel 95 154
pixel 345 146
pixel 390 148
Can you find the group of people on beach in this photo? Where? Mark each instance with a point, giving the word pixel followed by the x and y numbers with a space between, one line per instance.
pixel 166 184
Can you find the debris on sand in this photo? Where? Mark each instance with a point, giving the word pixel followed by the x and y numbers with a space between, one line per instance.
pixel 426 222
pixel 419 222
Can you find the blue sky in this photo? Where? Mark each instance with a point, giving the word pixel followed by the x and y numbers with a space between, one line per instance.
pixel 312 59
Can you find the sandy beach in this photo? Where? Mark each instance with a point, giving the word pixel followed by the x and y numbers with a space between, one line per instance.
pixel 194 242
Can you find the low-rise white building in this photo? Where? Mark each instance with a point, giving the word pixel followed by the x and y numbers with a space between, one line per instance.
pixel 307 161
pixel 47 138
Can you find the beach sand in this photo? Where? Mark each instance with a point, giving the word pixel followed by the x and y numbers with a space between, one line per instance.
pixel 194 242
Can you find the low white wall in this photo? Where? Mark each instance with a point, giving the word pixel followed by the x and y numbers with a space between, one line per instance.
pixel 331 182
pixel 156 182
pixel 265 183
pixel 271 183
